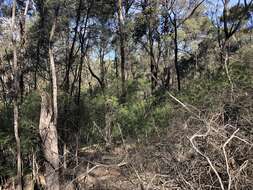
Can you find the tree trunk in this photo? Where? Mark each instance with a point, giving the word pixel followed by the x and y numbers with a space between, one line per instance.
pixel 48 123
pixel 226 63
pixel 19 160
pixel 150 39
pixel 71 57
pixel 80 80
pixel 49 139
pixel 166 61
pixel 54 85
pixel 102 68
pixel 153 71
pixel 116 67
pixel 15 100
pixel 122 50
pixel 176 54
pixel 153 67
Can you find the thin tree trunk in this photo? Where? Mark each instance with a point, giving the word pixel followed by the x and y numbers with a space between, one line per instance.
pixel 54 85
pixel 153 68
pixel 226 63
pixel 15 101
pixel 122 49
pixel 80 79
pixel 19 160
pixel 21 87
pixel 153 64
pixel 176 54
pixel 71 57
pixel 79 83
pixel 102 67
pixel 166 61
pixel 116 65
pixel 53 73
pixel 65 156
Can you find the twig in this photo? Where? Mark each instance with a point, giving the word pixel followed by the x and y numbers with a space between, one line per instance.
pixel 226 159
pixel 206 157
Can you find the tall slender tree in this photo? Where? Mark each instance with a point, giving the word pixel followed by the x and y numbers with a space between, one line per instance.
pixel 15 97
pixel 48 120
pixel 122 48
pixel 179 12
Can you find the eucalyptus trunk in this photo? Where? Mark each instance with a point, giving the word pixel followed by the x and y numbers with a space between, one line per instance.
pixel 15 100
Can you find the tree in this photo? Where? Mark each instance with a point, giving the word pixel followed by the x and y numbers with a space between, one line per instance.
pixel 71 56
pixel 48 120
pixel 146 33
pixel 179 12
pixel 16 84
pixel 232 19
pixel 15 98
pixel 122 48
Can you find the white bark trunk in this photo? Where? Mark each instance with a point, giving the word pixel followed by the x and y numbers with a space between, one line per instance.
pixel 15 100
pixel 54 85
pixel 48 125
pixel 49 139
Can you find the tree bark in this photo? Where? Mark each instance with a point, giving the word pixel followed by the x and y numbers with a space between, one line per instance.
pixel 15 100
pixel 122 49
pixel 167 70
pixel 53 73
pixel 49 139
pixel 153 68
pixel 80 79
pixel 54 85
pixel 18 146
pixel 48 123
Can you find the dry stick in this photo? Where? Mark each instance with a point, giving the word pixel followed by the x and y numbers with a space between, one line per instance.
pixel 225 155
pixel 229 78
pixel 243 140
pixel 242 167
pixel 226 158
pixel 206 157
pixel 227 72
